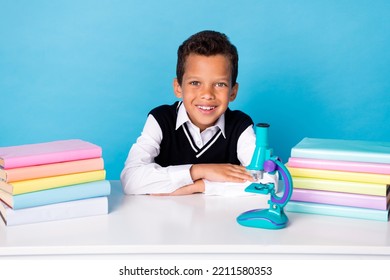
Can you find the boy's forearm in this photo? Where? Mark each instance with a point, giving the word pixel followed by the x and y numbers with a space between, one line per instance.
pixel 197 172
pixel 197 187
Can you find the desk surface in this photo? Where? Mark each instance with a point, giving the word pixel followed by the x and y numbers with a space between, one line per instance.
pixel 194 226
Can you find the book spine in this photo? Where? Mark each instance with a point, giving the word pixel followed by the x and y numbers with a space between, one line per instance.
pixel 342 199
pixel 339 211
pixel 54 157
pixel 62 194
pixel 50 170
pixel 59 211
pixel 340 165
pixel 57 181
pixel 3 175
pixel 340 186
pixel 340 175
pixel 340 155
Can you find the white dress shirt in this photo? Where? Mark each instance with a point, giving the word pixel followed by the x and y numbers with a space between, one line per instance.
pixel 141 175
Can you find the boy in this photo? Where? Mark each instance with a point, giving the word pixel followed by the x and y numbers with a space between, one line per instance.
pixel 197 145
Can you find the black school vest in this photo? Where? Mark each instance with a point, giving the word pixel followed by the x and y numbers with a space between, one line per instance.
pixel 178 147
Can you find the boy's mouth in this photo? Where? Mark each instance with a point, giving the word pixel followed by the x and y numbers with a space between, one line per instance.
pixel 206 108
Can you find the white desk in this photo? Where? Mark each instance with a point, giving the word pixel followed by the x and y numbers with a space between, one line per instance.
pixel 194 227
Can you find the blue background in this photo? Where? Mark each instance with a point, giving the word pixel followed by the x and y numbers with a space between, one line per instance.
pixel 93 69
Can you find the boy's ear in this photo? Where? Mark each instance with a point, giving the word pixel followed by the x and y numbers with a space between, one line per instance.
pixel 233 93
pixel 177 88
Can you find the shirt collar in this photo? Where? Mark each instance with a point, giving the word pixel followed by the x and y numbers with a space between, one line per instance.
pixel 182 118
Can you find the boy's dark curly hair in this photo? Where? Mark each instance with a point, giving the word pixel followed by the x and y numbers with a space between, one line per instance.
pixel 207 43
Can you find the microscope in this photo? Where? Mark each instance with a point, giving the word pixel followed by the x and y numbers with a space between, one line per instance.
pixel 263 161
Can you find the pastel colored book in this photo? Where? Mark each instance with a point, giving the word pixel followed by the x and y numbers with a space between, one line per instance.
pixel 340 186
pixel 339 175
pixel 56 195
pixel 342 199
pixel 53 212
pixel 336 210
pixel 347 150
pixel 50 170
pixel 349 166
pixel 40 184
pixel 47 152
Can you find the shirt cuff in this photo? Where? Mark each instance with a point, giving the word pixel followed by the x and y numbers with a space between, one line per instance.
pixel 226 188
pixel 236 189
pixel 180 175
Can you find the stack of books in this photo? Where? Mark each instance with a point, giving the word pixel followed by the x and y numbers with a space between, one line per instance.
pixel 52 181
pixel 347 178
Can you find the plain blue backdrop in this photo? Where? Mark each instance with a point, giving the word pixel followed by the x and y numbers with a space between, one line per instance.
pixel 93 69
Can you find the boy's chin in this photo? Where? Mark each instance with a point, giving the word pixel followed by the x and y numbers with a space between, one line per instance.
pixel 204 125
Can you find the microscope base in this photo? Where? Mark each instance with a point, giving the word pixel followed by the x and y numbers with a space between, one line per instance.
pixel 263 218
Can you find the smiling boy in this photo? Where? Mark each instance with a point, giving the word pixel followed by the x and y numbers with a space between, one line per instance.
pixel 196 145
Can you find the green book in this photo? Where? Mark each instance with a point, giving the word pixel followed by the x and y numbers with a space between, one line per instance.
pixel 347 150
pixel 336 210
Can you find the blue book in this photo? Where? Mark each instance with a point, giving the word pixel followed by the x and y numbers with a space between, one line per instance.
pixel 56 195
pixel 336 210
pixel 346 150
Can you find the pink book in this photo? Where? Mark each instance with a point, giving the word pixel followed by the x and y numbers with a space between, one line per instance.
pixel 351 166
pixel 48 152
pixel 342 199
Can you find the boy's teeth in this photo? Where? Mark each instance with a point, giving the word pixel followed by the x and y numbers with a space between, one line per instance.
pixel 206 107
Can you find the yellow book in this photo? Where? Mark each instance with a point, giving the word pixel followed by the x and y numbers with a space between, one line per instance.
pixel 45 183
pixel 340 175
pixel 340 186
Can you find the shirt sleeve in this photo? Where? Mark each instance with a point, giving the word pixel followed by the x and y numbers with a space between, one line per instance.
pixel 141 175
pixel 246 146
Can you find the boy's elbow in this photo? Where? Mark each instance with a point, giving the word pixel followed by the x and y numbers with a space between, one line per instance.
pixel 126 183
pixel 131 183
pixel 126 189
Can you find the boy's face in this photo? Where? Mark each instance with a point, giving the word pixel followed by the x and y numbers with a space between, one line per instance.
pixel 206 89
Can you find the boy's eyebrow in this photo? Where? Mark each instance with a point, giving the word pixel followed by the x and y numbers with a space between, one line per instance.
pixel 223 78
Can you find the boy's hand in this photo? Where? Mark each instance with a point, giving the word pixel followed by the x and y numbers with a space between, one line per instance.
pixel 221 173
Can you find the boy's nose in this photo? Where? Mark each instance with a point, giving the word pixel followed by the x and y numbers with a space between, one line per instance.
pixel 208 93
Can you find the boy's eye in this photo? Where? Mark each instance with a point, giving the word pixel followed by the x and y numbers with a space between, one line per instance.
pixel 194 83
pixel 221 84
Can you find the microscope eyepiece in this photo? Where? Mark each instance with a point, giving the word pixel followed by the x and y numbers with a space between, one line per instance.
pixel 262 125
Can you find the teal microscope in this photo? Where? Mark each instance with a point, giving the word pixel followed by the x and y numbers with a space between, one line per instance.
pixel 263 161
